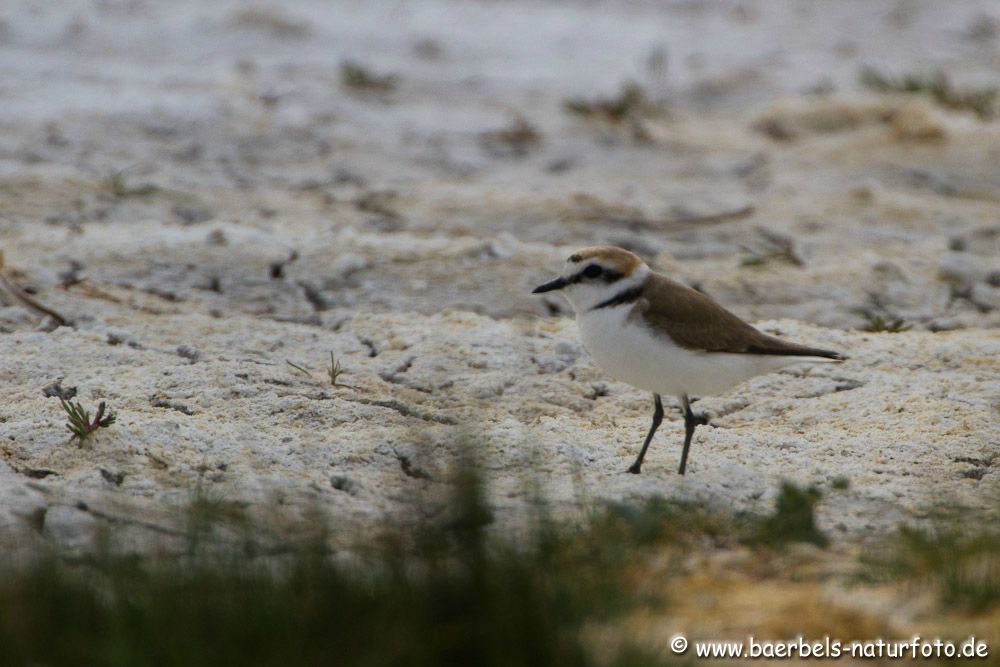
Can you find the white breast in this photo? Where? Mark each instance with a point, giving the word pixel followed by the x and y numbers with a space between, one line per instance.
pixel 630 352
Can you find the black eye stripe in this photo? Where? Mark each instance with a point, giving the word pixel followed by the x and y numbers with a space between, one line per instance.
pixel 612 276
pixel 592 271
pixel 606 275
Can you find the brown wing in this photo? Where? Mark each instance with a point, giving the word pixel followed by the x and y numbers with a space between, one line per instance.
pixel 698 322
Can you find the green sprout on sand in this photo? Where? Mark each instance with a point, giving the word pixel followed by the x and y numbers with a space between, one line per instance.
pixel 116 183
pixel 981 101
pixel 80 424
pixel 333 371
pixel 879 324
pixel 771 247
pixel 358 77
pixel 614 110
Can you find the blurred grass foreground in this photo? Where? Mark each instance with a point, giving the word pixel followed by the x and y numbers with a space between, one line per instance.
pixel 448 591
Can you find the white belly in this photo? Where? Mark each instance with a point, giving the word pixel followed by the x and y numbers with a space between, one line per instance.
pixel 631 353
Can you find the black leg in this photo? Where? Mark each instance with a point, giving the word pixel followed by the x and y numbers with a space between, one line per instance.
pixel 691 420
pixel 657 418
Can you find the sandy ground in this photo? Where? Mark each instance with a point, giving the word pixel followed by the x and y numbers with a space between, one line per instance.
pixel 198 191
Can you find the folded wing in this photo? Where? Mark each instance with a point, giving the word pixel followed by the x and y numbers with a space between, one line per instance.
pixel 695 321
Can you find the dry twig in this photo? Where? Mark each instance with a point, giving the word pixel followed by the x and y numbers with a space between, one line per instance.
pixel 15 291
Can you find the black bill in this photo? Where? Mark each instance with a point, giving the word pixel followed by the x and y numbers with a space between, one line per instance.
pixel 558 283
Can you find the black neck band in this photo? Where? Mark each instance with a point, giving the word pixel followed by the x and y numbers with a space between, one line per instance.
pixel 628 296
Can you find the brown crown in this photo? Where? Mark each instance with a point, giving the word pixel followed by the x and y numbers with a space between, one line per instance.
pixel 610 256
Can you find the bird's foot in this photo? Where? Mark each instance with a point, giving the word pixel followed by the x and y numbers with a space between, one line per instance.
pixel 634 468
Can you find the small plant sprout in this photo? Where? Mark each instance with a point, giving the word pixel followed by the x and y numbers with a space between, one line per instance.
pixel 981 101
pixel 116 183
pixel 614 110
pixel 80 423
pixel 772 247
pixel 794 518
pixel 334 371
pixel 358 77
pixel 878 324
pixel 515 140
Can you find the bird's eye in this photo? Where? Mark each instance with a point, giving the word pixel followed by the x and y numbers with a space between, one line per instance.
pixel 592 271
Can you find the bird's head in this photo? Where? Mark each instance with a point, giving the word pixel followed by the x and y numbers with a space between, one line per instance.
pixel 594 275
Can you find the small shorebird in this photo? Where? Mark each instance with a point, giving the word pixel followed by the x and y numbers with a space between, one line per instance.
pixel 659 335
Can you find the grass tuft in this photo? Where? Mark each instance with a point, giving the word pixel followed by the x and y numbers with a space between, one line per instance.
pixel 80 424
pixel 356 76
pixel 265 20
pixel 334 371
pixel 515 140
pixel 116 183
pixel 981 101
pixel 772 247
pixel 957 558
pixel 614 109
pixel 878 324
pixel 793 520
